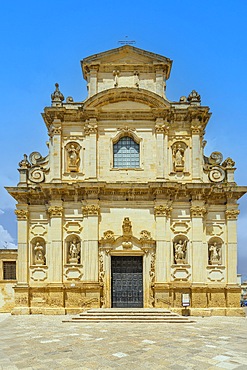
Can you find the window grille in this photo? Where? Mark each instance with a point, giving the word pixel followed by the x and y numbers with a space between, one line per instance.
pixel 126 153
pixel 9 270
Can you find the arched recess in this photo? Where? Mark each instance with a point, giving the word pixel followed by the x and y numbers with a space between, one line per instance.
pixel 38 251
pixel 180 250
pixel 72 249
pixel 215 251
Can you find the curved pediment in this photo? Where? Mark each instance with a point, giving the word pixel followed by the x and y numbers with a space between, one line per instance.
pixel 126 99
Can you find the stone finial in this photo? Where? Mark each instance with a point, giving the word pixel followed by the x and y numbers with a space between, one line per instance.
pixel 24 163
pixel 57 97
pixel 194 98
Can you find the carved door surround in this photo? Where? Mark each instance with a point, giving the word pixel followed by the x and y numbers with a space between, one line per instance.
pixel 126 245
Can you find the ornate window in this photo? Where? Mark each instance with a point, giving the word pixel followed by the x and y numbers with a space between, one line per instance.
pixel 126 153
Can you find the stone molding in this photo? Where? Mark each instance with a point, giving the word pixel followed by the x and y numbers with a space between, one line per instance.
pixel 232 214
pixel 21 214
pixel 55 211
pixel 197 211
pixel 162 210
pixel 91 210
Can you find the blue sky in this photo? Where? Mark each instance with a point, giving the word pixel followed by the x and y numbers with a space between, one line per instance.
pixel 42 42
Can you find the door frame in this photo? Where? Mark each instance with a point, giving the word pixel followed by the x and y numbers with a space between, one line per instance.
pixel 131 255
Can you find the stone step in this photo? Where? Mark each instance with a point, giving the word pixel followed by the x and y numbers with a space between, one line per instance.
pixel 129 315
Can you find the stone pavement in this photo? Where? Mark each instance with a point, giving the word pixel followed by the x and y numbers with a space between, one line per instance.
pixel 45 342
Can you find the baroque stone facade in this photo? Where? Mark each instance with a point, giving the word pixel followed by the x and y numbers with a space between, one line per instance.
pixel 126 183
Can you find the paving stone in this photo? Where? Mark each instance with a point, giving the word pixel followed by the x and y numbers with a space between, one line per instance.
pixel 44 342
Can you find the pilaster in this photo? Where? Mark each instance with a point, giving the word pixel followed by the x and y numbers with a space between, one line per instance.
pixel 199 245
pixel 162 214
pixel 55 248
pixel 55 150
pixel 231 253
pixel 91 213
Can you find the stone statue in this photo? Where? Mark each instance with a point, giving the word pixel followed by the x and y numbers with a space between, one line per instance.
pixel 39 254
pixel 180 251
pixel 214 254
pixel 74 251
pixel 127 227
pixel 178 155
pixel 73 158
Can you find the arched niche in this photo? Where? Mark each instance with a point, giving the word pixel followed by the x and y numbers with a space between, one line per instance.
pixel 38 251
pixel 215 246
pixel 73 249
pixel 72 156
pixel 180 249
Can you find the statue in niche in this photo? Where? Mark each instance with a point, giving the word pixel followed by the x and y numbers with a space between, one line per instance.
pixel 178 157
pixel 73 157
pixel 39 254
pixel 74 251
pixel 180 251
pixel 214 254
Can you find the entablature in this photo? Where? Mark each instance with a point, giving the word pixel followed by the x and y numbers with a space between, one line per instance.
pixel 149 191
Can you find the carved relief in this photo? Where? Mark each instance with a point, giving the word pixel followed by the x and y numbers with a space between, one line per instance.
pixel 181 274
pixel 108 237
pixel 39 167
pixel 197 211
pixel 38 229
pixel 73 156
pixel 73 227
pixel 178 150
pixel 21 214
pixel 215 275
pixel 73 273
pixel 162 210
pixel 92 210
pixel 55 211
pixel 232 214
pixel 180 250
pixel 180 227
pixel 216 172
pixel 214 229
pixel 127 227
pixel 38 274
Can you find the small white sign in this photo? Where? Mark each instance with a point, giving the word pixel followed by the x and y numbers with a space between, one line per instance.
pixel 185 300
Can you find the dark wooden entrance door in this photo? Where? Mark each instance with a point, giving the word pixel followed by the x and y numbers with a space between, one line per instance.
pixel 126 281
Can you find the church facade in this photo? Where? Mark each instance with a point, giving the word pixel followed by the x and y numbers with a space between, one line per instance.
pixel 126 210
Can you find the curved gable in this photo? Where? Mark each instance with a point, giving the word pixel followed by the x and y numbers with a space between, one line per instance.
pixel 133 100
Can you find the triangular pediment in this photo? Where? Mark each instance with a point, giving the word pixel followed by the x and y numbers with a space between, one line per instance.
pixel 124 56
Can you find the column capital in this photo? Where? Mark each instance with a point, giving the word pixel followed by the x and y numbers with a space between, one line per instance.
pixel 232 214
pixel 91 210
pixel 55 211
pixel 198 211
pixel 21 214
pixel 162 210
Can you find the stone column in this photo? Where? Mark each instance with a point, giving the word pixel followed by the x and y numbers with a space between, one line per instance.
pixel 55 150
pixel 199 245
pixel 22 287
pixel 90 256
pixel 231 247
pixel 163 251
pixel 54 253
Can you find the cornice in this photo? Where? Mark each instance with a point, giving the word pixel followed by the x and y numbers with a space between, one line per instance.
pixel 150 191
